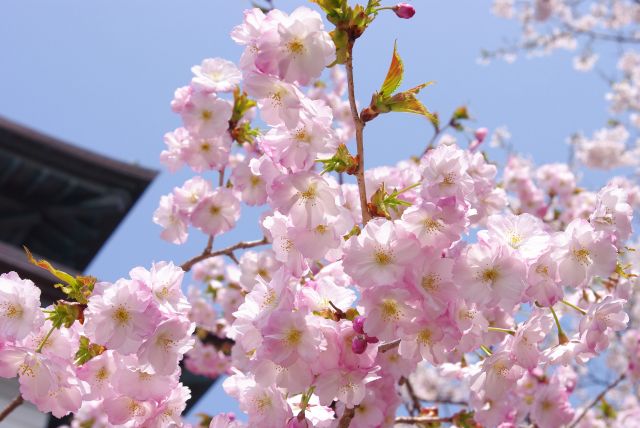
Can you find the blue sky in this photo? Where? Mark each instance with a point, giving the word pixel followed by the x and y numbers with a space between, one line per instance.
pixel 101 74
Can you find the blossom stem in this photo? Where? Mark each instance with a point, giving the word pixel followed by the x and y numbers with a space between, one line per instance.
pixel 502 330
pixel 597 399
pixel 44 341
pixel 11 407
pixel 406 189
pixel 486 350
pixel 359 124
pixel 562 337
pixel 577 308
pixel 207 253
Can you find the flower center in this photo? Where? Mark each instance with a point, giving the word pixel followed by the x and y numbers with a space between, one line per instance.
pixel 430 282
pixel 254 180
pixel 515 240
pixel 262 403
pixel 12 311
pixel 390 310
pixel 301 136
pixel 582 256
pixel 309 194
pixel 295 47
pixel 214 210
pixel 276 98
pixel 206 115
pixel 121 315
pixel 383 258
pixel 449 179
pixel 424 337
pixel 490 275
pixel 102 374
pixel 432 225
pixel 293 337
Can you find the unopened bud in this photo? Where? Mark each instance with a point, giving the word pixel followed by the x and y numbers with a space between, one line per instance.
pixel 358 324
pixel 404 10
pixel 359 344
pixel 481 134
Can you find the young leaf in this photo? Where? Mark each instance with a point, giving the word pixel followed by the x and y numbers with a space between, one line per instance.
pixel 407 102
pixel 63 276
pixel 394 75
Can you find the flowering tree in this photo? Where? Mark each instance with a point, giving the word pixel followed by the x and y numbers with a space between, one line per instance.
pixel 473 298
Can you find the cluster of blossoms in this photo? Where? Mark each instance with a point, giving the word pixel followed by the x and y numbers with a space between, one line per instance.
pixel 117 357
pixel 489 291
pixel 550 25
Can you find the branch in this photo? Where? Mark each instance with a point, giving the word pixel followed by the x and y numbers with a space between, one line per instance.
pixel 618 38
pixel 207 253
pixel 345 420
pixel 416 407
pixel 359 124
pixel 11 407
pixel 598 398
pixel 419 420
pixel 388 346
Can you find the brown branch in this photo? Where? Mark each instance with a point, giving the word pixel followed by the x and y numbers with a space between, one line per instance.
pixel 11 407
pixel 388 346
pixel 416 407
pixel 598 398
pixel 359 124
pixel 419 420
pixel 346 418
pixel 207 253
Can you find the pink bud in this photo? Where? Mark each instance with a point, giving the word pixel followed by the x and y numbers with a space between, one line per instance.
pixel 359 345
pixel 481 134
pixel 358 324
pixel 404 10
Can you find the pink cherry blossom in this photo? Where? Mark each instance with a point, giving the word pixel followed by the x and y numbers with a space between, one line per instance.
pixel 19 307
pixel 380 254
pixel 122 317
pixel 217 212
pixel 215 75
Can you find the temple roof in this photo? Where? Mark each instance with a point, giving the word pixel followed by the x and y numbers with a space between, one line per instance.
pixel 59 200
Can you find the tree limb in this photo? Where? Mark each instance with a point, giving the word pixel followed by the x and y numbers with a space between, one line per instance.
pixel 207 253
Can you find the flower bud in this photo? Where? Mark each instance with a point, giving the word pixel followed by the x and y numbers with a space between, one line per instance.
pixel 481 134
pixel 359 344
pixel 404 10
pixel 358 324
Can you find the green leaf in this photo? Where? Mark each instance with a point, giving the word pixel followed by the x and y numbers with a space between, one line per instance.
pixel 342 161
pixel 78 288
pixel 87 351
pixel 65 314
pixel 407 102
pixel 394 75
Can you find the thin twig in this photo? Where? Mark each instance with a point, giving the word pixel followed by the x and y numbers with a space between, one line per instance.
pixel 186 266
pixel 416 407
pixel 598 398
pixel 388 346
pixel 11 407
pixel 418 420
pixel 359 124
pixel 346 418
